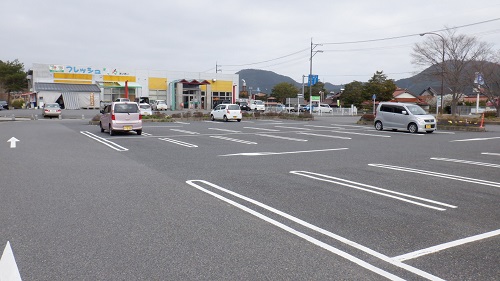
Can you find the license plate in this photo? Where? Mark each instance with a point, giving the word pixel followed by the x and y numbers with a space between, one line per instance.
pixel 127 128
pixel 428 126
pixel 234 117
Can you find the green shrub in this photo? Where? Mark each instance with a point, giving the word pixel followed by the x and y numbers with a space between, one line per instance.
pixel 17 103
pixel 490 114
pixel 368 117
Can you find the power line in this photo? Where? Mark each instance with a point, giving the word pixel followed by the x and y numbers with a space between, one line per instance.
pixel 246 64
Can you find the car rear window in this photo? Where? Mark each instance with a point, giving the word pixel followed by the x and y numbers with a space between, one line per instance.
pixel 233 107
pixel 126 108
pixel 145 106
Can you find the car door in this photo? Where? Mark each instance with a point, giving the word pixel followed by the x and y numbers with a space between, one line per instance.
pixel 219 111
pixel 105 116
pixel 398 119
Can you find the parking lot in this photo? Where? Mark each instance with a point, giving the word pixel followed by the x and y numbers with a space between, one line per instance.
pixel 250 200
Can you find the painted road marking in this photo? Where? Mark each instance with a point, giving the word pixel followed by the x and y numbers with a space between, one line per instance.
pixel 447 245
pixel 235 140
pixel 476 139
pixel 467 162
pixel 263 129
pixel 146 134
pixel 490 153
pixel 279 153
pixel 184 131
pixel 104 141
pixel 195 184
pixel 328 127
pixel 13 141
pixel 280 137
pixel 328 136
pixel 179 142
pixel 8 266
pixel 435 174
pixel 296 128
pixel 224 130
pixel 362 134
pixel 374 189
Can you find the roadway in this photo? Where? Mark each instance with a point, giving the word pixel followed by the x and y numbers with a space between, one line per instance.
pixel 255 200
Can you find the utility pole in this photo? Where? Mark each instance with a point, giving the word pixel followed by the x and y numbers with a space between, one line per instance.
pixel 313 52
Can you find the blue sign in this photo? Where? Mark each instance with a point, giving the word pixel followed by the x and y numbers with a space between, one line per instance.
pixel 374 97
pixel 313 79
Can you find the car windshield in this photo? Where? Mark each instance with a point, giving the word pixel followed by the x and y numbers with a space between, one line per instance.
pixel 161 102
pixel 52 105
pixel 416 110
pixel 233 107
pixel 259 102
pixel 144 106
pixel 126 108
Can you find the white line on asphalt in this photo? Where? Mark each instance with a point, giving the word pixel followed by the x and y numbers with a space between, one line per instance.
pixel 401 133
pixel 342 125
pixel 467 162
pixel 435 174
pixel 279 153
pixel 146 134
pixel 476 139
pixel 490 153
pixel 280 137
pixel 362 134
pixel 328 127
pixel 178 142
pixel 104 141
pixel 296 128
pixel 372 189
pixel 8 266
pixel 235 140
pixel 328 136
pixel 447 245
pixel 184 131
pixel 444 132
pixel 310 226
pixel 224 130
pixel 177 122
pixel 263 129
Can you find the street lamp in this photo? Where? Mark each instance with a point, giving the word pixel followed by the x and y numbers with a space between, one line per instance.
pixel 442 67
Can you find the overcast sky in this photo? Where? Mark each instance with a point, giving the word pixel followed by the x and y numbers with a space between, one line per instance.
pixel 274 35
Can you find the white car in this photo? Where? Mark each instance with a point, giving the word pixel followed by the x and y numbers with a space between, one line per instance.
pixel 323 108
pixel 145 109
pixel 160 105
pixel 226 112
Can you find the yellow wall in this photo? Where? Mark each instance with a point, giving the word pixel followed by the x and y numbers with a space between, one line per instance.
pixel 157 83
pixel 72 78
pixel 116 78
pixel 220 86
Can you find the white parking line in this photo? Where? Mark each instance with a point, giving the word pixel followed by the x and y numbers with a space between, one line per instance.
pixel 178 142
pixel 235 140
pixel 374 189
pixel 146 134
pixel 184 131
pixel 447 245
pixel 467 162
pixel 362 134
pixel 104 141
pixel 328 127
pixel 310 239
pixel 476 139
pixel 280 137
pixel 327 136
pixel 296 128
pixel 435 174
pixel 490 153
pixel 279 153
pixel 263 129
pixel 224 130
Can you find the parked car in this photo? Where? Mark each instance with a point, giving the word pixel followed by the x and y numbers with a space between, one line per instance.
pixel 244 106
pixel 403 116
pixel 307 108
pixel 4 105
pixel 160 105
pixel 145 109
pixel 51 110
pixel 226 112
pixel 121 99
pixel 121 116
pixel 323 108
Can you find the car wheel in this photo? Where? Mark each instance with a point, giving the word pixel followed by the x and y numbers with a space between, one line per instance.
pixel 111 132
pixel 412 128
pixel 212 117
pixel 139 132
pixel 225 118
pixel 379 126
pixel 102 129
pixel 239 120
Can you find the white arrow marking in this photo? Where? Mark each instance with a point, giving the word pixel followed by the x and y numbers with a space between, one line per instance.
pixel 13 141
pixel 8 266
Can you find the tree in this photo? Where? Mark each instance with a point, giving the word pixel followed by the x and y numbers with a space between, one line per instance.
pixel 284 90
pixel 381 86
pixel 491 77
pixel 315 90
pixel 460 53
pixel 353 93
pixel 12 77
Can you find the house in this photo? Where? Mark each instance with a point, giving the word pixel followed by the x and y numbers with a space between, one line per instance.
pixel 403 95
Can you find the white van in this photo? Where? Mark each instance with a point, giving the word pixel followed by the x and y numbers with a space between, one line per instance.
pixel 403 116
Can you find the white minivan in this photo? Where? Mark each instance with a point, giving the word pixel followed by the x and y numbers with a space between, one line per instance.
pixel 121 117
pixel 403 116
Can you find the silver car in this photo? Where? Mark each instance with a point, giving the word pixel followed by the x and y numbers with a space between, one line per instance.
pixel 121 117
pixel 403 116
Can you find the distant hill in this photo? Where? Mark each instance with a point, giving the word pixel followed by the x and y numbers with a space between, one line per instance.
pixel 264 81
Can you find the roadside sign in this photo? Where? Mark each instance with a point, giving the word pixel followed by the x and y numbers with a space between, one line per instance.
pixel 313 79
pixel 315 98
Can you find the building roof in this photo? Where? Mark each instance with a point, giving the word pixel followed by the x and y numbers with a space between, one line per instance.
pixel 60 87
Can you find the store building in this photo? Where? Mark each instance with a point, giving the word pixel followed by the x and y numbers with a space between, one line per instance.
pixel 77 87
